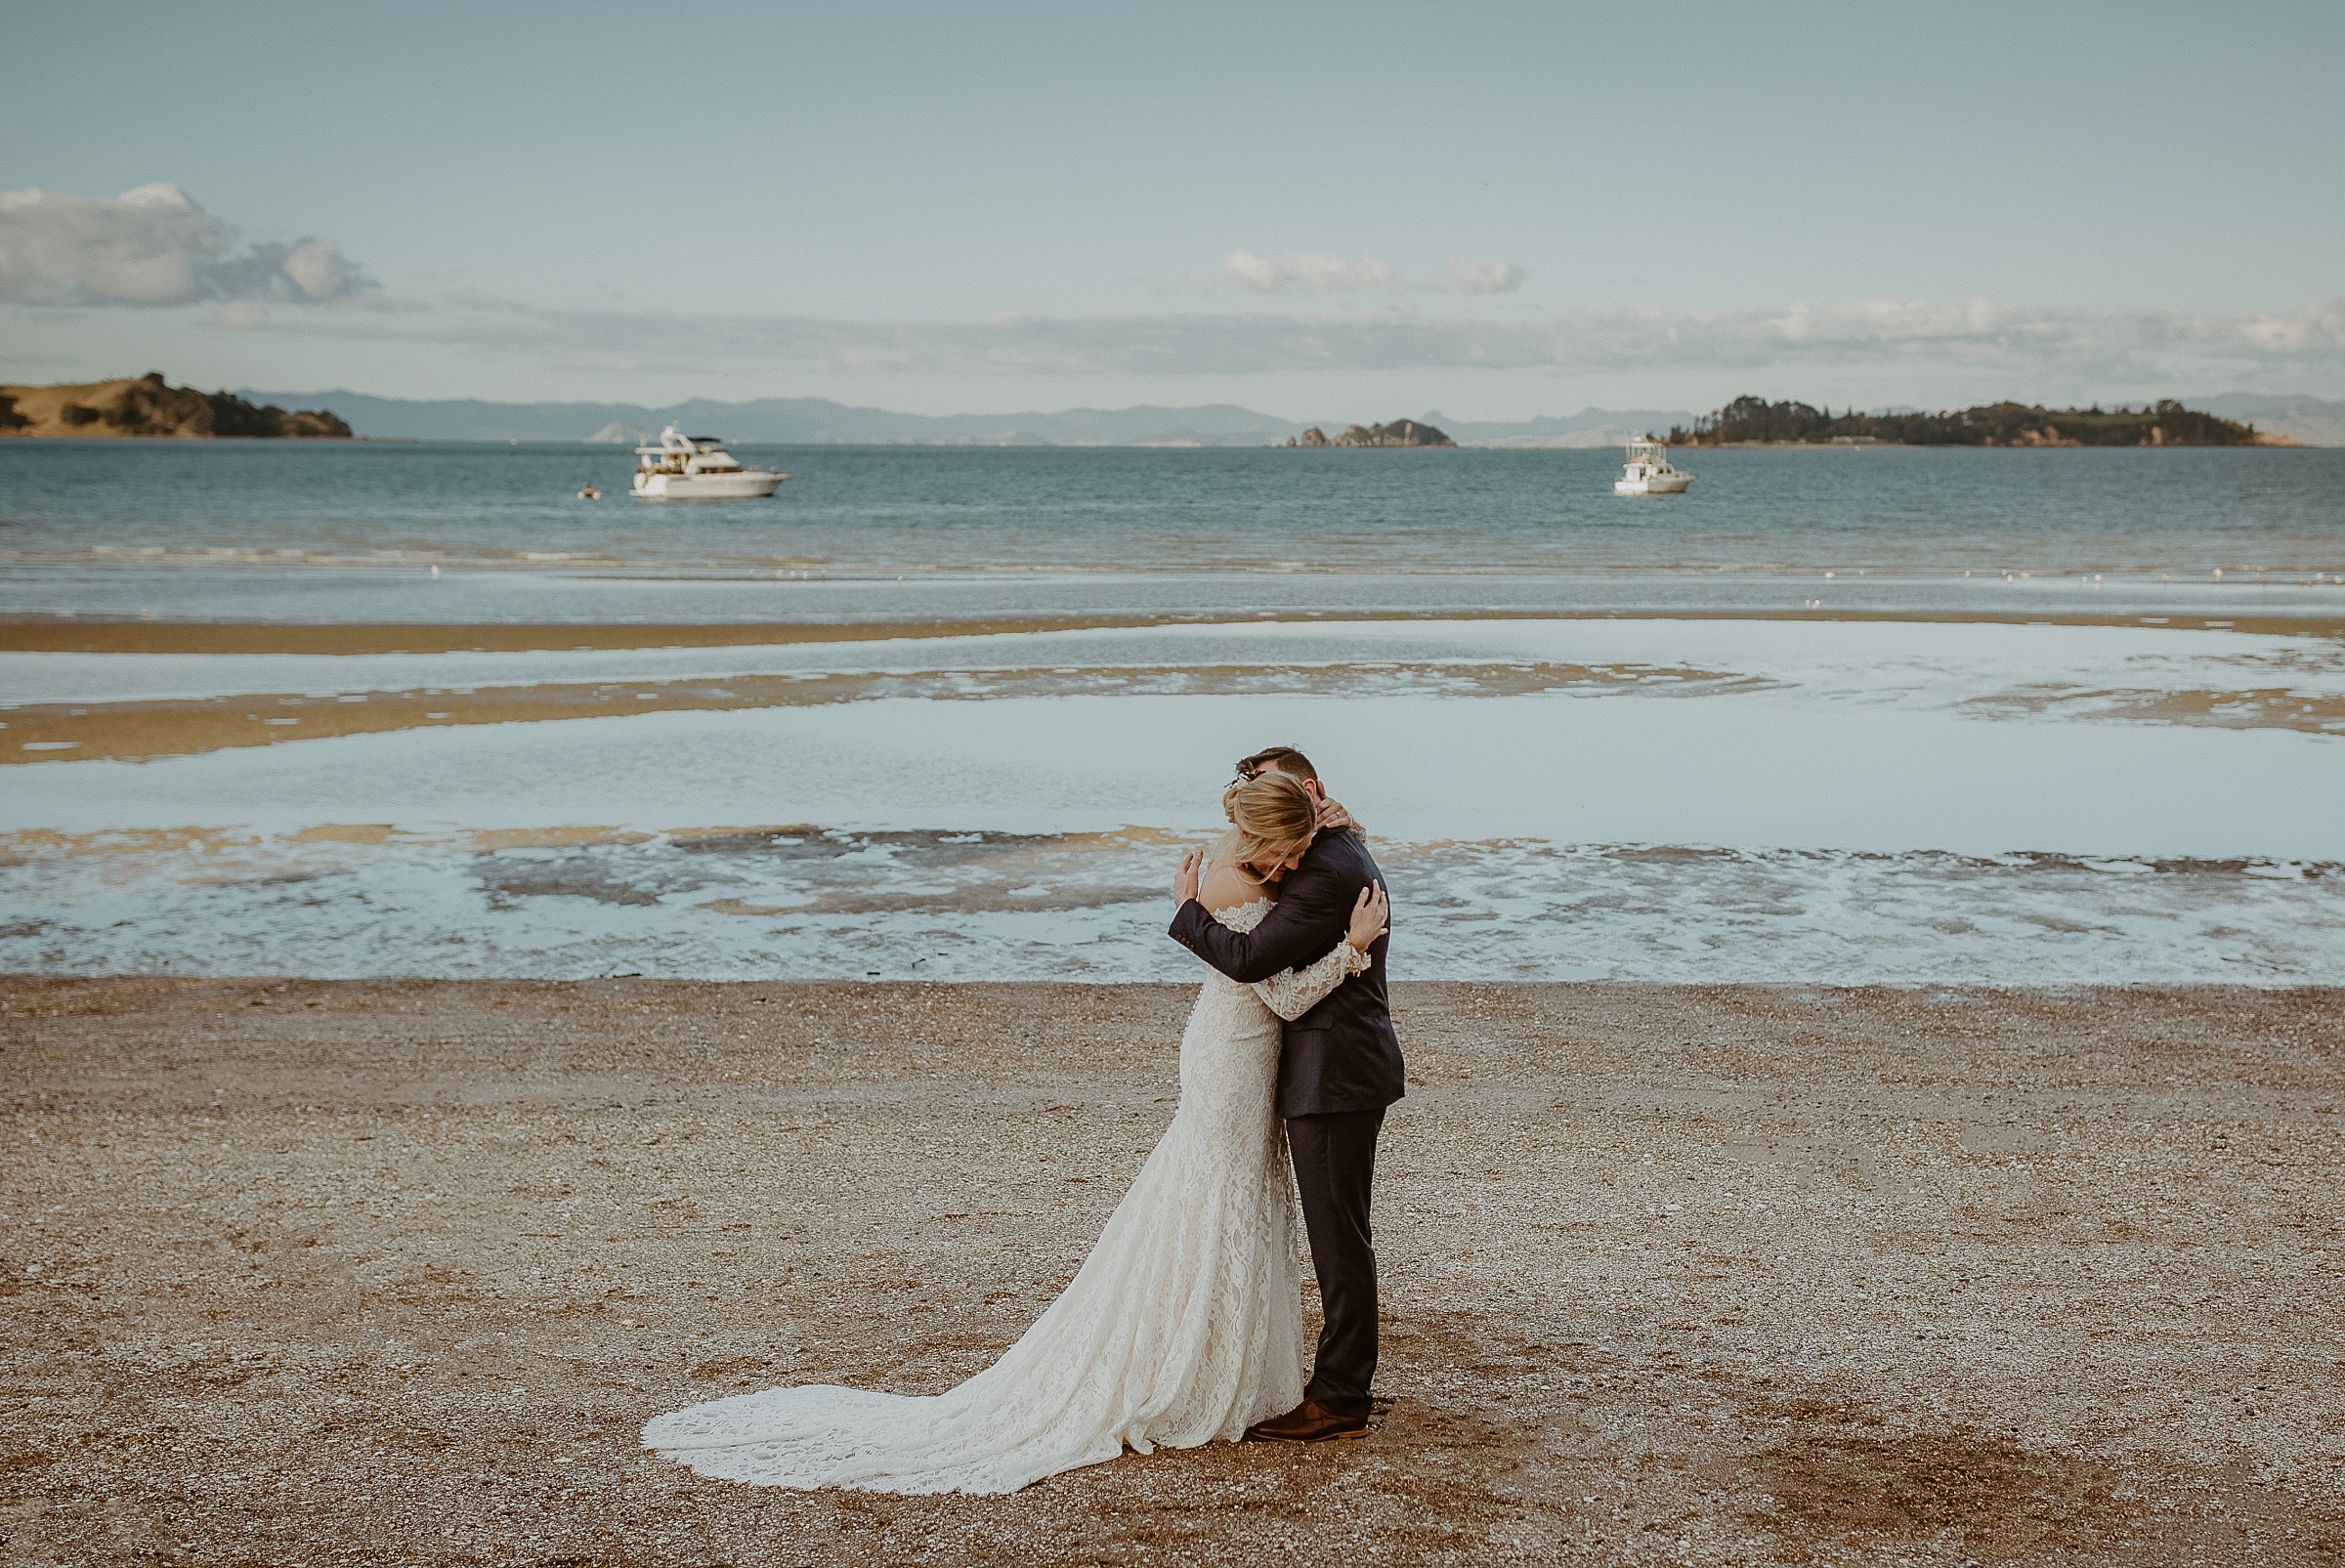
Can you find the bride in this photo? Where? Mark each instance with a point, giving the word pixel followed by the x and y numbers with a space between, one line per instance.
pixel 1184 1323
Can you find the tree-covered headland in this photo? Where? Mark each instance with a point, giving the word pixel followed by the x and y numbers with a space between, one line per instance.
pixel 152 407
pixel 2164 423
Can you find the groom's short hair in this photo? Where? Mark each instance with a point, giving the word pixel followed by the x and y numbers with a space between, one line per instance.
pixel 1284 759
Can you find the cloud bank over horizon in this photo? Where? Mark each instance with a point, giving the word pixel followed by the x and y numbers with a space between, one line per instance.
pixel 153 246
pixel 151 276
pixel 2024 344
pixel 1320 272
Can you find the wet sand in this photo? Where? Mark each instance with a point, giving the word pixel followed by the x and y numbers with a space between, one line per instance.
pixel 134 731
pixel 131 725
pixel 313 1272
pixel 90 634
pixel 73 634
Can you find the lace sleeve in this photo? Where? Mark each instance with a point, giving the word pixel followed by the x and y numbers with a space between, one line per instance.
pixel 1292 993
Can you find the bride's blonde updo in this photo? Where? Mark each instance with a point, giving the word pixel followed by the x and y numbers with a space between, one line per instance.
pixel 1270 808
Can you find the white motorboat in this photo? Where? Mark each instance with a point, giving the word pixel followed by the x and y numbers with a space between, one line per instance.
pixel 1647 472
pixel 698 467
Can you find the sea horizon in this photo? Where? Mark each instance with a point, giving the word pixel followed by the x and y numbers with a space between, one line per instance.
pixel 809 420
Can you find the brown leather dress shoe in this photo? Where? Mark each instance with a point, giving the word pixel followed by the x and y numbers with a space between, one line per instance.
pixel 1306 1423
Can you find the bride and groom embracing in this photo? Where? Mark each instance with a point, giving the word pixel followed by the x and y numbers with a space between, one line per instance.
pixel 1185 1323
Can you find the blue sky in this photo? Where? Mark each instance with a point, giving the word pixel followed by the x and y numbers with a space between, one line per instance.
pixel 1496 210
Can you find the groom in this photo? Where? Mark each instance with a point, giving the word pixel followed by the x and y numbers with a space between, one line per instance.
pixel 1339 1066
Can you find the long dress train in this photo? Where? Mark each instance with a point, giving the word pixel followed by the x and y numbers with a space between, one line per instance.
pixel 1184 1323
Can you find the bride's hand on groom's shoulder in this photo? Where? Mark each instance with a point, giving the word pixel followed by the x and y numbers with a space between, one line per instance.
pixel 1185 881
pixel 1332 814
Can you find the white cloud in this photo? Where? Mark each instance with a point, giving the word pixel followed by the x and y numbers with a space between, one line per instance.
pixel 1320 272
pixel 1467 276
pixel 1308 273
pixel 318 269
pixel 151 246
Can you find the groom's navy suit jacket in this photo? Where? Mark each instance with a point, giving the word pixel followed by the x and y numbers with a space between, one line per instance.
pixel 1342 1054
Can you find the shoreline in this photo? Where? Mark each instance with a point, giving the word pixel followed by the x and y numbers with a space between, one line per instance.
pixel 2275 441
pixel 91 634
pixel 1731 1274
pixel 186 434
pixel 2271 441
pixel 146 728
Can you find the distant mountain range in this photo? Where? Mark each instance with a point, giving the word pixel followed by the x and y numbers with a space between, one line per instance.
pixel 2310 421
pixel 820 421
pixel 1589 427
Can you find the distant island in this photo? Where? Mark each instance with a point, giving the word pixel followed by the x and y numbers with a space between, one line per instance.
pixel 150 406
pixel 1399 433
pixel 1755 422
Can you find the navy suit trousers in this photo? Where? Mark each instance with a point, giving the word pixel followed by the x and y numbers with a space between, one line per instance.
pixel 1335 1169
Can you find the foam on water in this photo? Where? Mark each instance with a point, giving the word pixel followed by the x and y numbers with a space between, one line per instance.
pixel 805 903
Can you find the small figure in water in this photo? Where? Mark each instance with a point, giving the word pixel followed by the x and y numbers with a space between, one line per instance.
pixel 587 493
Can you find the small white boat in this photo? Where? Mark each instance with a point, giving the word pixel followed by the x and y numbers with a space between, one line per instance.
pixel 698 467
pixel 1647 472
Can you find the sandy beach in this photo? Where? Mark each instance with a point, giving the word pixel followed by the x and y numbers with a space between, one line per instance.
pixel 76 634
pixel 370 1272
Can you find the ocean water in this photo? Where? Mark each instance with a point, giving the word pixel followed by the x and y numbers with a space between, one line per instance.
pixel 1581 747
pixel 338 532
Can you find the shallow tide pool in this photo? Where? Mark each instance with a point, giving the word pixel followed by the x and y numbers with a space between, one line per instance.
pixel 1835 802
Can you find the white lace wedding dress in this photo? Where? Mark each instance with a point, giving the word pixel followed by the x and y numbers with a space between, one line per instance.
pixel 1184 1323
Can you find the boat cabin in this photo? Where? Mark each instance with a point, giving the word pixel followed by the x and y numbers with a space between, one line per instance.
pixel 1649 472
pixel 1648 458
pixel 679 453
